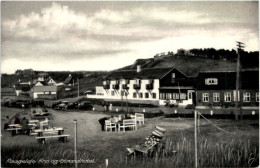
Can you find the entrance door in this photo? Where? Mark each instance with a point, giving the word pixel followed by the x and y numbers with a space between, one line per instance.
pixel 194 98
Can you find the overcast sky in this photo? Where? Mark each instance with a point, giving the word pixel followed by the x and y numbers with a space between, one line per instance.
pixel 109 35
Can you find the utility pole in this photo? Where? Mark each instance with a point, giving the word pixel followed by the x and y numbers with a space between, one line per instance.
pixel 75 143
pixel 78 87
pixel 195 139
pixel 239 48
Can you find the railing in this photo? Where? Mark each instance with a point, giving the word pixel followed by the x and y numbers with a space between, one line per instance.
pixel 149 86
pixel 107 86
pixel 116 86
pixel 124 86
pixel 137 86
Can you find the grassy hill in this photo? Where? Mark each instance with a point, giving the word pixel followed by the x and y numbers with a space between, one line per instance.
pixel 188 64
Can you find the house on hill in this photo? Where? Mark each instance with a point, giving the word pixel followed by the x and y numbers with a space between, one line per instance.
pixel 45 92
pixel 43 76
pixel 147 86
pixel 22 89
pixel 8 94
pixel 70 80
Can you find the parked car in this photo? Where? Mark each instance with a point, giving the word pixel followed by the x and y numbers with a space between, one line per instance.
pixel 55 104
pixel 85 105
pixel 37 103
pixel 72 105
pixel 62 105
pixel 23 104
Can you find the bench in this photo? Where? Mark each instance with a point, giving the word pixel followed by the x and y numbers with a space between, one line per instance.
pixel 61 138
pixel 129 123
pixel 155 137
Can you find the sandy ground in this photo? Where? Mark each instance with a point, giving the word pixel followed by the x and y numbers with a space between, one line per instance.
pixel 88 126
pixel 101 145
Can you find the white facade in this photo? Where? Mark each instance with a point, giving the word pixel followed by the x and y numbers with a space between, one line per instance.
pixel 141 94
pixel 182 102
pixel 35 94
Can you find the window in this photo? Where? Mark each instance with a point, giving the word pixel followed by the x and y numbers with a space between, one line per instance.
pixel 134 95
pixel 168 96
pixel 140 95
pixel 227 97
pixel 211 81
pixel 175 96
pixel 190 95
pixel 154 95
pixel 173 77
pixel 162 96
pixel 112 93
pixel 216 97
pixel 183 96
pixel 146 95
pixel 246 97
pixel 257 96
pixel 205 97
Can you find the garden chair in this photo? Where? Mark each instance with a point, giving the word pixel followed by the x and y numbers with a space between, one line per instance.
pixel 139 118
pixel 109 125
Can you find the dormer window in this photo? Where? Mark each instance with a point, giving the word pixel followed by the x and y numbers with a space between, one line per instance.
pixel 125 81
pixel 150 81
pixel 211 81
pixel 106 82
pixel 137 81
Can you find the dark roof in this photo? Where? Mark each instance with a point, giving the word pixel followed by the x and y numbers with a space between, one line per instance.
pixel 42 82
pixel 23 87
pixel 146 73
pixel 8 92
pixel 249 79
pixel 51 88
pixel 68 79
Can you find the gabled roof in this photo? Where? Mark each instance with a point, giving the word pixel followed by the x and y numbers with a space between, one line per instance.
pixel 249 79
pixel 8 92
pixel 146 73
pixel 68 79
pixel 23 87
pixel 41 82
pixel 51 88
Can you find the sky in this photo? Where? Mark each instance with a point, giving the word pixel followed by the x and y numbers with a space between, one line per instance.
pixel 92 35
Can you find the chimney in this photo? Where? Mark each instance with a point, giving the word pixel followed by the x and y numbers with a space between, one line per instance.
pixel 138 68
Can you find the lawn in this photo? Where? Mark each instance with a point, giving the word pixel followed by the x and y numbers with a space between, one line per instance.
pixel 237 148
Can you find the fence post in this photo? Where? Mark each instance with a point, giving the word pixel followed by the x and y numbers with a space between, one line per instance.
pixel 198 122
pixel 106 163
pixel 195 139
pixel 75 143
